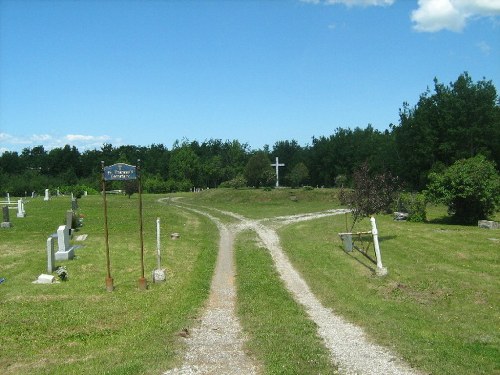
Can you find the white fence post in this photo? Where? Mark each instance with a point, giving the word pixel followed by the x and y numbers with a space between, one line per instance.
pixel 380 268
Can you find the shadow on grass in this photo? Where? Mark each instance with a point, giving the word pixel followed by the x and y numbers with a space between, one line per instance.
pixel 450 220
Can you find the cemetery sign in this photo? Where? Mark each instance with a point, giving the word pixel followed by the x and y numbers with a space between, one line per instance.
pixel 120 172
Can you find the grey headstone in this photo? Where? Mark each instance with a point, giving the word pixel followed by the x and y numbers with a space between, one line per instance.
pixel 6 219
pixel 401 216
pixel 74 204
pixel 488 224
pixel 5 213
pixel 69 219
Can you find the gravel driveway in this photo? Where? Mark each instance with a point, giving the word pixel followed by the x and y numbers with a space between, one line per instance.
pixel 216 346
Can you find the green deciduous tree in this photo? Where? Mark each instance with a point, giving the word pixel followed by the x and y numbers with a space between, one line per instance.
pixel 258 171
pixel 470 188
pixel 298 175
pixel 455 122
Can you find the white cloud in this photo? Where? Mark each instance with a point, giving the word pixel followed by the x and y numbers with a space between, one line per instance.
pixel 436 15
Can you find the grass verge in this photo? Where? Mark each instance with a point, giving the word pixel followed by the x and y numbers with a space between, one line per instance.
pixel 437 307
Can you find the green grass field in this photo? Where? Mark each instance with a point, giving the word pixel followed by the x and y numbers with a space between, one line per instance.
pixel 438 307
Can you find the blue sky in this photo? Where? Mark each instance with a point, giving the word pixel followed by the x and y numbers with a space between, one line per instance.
pixel 85 73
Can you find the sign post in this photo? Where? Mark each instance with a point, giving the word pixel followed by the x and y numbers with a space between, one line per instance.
pixel 142 280
pixel 109 279
pixel 122 172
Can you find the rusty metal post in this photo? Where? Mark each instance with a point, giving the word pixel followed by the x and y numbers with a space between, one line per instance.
pixel 142 280
pixel 109 280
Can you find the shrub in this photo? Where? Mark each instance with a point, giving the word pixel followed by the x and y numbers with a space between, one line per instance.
pixel 414 204
pixel 373 193
pixel 236 183
pixel 470 188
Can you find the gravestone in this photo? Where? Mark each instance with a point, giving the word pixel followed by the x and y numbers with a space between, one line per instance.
pixel 20 208
pixel 70 220
pixel 8 198
pixel 488 224
pixel 64 250
pixel 47 195
pixel 74 204
pixel 6 218
pixel 401 216
pixel 45 279
pixel 51 260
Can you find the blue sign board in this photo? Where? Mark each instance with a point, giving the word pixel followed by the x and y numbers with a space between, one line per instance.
pixel 120 172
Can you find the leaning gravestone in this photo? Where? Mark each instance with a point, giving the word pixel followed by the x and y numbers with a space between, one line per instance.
pixel 6 219
pixel 64 250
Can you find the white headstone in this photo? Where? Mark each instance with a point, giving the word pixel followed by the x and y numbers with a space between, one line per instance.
pixel 20 208
pixel 45 279
pixel 47 195
pixel 64 250
pixel 8 198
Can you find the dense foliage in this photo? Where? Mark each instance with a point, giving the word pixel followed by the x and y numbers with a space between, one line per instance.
pixel 470 188
pixel 455 121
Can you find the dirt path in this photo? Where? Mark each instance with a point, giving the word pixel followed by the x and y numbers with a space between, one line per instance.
pixel 216 345
pixel 350 349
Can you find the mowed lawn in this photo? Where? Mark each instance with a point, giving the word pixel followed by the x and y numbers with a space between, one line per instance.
pixel 438 307
pixel 77 327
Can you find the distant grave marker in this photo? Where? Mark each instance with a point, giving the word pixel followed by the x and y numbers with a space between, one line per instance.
pixel 6 218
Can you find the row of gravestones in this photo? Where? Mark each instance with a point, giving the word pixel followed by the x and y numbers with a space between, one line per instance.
pixel 64 250
pixel 6 223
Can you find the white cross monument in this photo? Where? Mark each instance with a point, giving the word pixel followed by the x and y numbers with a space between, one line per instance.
pixel 277 165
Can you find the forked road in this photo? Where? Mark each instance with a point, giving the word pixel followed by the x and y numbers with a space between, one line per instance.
pixel 216 346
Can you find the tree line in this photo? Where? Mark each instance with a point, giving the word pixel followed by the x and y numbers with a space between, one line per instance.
pixel 452 122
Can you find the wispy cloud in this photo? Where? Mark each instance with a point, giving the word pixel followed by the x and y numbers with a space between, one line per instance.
pixel 453 15
pixel 48 141
pixel 352 3
pixel 484 47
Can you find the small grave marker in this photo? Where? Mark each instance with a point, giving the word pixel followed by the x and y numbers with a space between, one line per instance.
pixel 47 195
pixel 45 279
